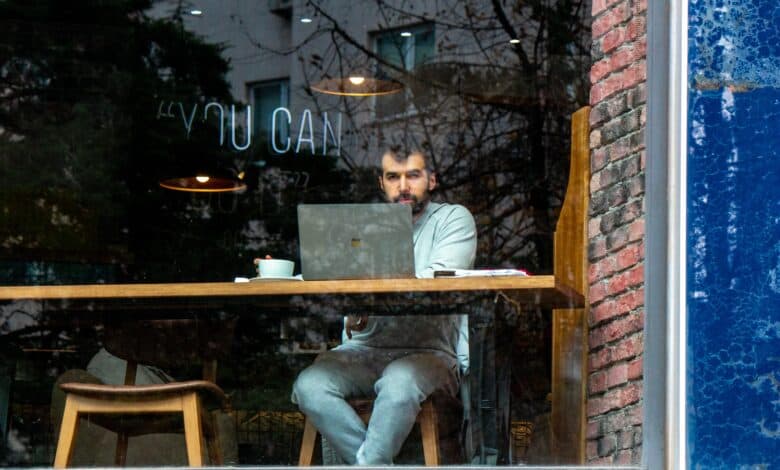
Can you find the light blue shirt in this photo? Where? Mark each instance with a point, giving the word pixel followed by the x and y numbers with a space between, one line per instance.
pixel 445 237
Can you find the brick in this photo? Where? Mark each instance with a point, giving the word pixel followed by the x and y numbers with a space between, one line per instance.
pixel 636 455
pixel 635 415
pixel 634 74
pixel 601 269
pixel 594 225
pixel 619 149
pixel 616 239
pixel 595 51
pixel 593 429
pixel 622 457
pixel 615 421
pixel 594 406
pixel 597 382
pixel 609 19
pixel 636 185
pixel 637 436
pixel 605 178
pixel 621 419
pixel 615 399
pixel 597 249
pixel 629 256
pixel 615 329
pixel 636 231
pixel 595 138
pixel 638 140
pixel 607 445
pixel 636 33
pixel 598 160
pixel 626 348
pixel 622 215
pixel 592 450
pixel 611 197
pixel 611 40
pixel 621 126
pixel 637 96
pixel 619 306
pixel 597 292
pixel 601 5
pixel 617 375
pixel 635 369
pixel 617 105
pixel 625 439
pixel 600 69
pixel 627 395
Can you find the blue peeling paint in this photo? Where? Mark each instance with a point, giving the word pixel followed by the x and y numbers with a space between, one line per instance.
pixel 733 268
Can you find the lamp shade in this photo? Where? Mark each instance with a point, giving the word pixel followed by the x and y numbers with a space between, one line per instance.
pixel 357 85
pixel 203 183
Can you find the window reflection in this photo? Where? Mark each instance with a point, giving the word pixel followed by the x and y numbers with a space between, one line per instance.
pixel 100 102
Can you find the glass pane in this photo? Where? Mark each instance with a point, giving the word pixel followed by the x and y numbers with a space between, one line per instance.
pixel 152 156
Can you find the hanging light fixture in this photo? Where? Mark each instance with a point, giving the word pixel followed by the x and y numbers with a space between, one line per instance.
pixel 203 182
pixel 202 171
pixel 357 84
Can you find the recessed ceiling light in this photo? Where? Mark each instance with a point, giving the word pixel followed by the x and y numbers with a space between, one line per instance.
pixel 306 20
pixel 406 34
pixel 514 41
pixel 196 12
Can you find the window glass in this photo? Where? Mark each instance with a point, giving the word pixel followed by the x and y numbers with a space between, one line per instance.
pixel 266 98
pixel 401 52
pixel 154 153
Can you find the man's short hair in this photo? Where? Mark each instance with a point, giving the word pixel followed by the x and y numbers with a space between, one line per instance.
pixel 400 155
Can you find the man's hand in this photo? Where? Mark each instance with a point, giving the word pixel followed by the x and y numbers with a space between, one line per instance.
pixel 355 323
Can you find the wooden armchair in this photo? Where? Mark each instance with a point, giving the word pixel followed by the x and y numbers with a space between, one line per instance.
pixel 131 410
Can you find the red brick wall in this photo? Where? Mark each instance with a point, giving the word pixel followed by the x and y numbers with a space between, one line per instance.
pixel 616 232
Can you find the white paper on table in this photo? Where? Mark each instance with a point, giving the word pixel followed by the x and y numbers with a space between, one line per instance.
pixel 478 272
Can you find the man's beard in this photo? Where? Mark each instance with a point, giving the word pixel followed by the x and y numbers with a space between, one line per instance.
pixel 416 205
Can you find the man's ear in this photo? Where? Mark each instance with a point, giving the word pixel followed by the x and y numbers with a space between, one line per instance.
pixel 381 183
pixel 432 183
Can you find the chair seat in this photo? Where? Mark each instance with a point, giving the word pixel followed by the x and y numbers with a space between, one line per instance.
pixel 136 392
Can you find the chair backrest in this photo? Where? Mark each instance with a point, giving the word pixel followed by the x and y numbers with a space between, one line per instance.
pixel 170 343
pixel 570 326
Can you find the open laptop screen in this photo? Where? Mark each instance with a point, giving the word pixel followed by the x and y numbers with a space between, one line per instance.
pixel 355 241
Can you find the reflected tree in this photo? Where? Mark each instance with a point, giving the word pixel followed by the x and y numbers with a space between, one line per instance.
pixel 489 98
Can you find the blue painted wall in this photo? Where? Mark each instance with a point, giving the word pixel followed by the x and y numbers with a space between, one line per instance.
pixel 733 268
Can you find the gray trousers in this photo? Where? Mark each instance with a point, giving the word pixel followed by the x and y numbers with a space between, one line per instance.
pixel 399 379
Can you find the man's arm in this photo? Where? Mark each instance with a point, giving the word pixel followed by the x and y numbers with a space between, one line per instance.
pixel 454 244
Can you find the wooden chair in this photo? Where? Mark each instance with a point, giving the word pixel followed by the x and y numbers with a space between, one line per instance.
pixel 570 325
pixel 428 419
pixel 131 410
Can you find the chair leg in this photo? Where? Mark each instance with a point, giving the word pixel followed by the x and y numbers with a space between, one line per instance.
pixel 192 428
pixel 121 449
pixel 307 444
pixel 430 434
pixel 212 438
pixel 68 431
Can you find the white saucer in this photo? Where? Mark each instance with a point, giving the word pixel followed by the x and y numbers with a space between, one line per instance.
pixel 275 278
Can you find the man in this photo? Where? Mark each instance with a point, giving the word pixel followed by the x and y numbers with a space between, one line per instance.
pixel 400 359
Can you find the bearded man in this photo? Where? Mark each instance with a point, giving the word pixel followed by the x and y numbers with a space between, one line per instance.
pixel 399 360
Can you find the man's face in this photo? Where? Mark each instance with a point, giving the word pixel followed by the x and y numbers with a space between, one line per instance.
pixel 407 181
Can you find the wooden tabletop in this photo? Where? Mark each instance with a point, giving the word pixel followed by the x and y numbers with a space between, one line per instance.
pixel 540 290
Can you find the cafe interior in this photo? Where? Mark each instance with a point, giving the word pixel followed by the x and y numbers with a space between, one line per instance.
pixel 154 153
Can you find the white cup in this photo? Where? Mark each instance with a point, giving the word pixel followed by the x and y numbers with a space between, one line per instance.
pixel 275 268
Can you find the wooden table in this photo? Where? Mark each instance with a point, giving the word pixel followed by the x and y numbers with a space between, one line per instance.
pixel 545 291
pixel 69 303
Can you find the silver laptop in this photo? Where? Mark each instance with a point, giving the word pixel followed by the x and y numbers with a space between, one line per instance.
pixel 355 241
